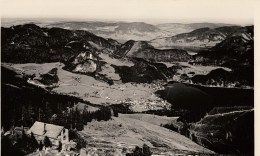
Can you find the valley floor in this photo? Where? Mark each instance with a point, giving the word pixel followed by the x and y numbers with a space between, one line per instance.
pixel 140 96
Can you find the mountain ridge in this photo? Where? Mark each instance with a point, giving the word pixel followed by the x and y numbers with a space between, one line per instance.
pixel 201 38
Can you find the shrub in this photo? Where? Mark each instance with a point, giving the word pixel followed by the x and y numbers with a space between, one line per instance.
pixel 59 147
pixel 33 142
pixel 47 142
pixel 81 143
pixel 145 151
pixel 171 127
pixel 40 145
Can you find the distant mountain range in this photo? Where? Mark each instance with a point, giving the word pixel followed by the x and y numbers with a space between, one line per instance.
pixel 121 31
pixel 179 28
pixel 195 40
pixel 237 49
pixel 79 50
pixel 31 43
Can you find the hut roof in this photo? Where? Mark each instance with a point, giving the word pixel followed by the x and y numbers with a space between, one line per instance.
pixel 45 129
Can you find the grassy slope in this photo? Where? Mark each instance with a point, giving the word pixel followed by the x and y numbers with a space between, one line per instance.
pixel 125 131
pixel 152 119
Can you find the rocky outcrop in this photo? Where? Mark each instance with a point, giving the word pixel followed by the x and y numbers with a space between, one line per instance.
pixel 50 78
pixel 85 62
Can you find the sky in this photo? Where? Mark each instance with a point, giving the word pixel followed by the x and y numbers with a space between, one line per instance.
pixel 151 11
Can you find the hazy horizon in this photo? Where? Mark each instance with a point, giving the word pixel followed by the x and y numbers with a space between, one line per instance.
pixel 239 12
pixel 56 20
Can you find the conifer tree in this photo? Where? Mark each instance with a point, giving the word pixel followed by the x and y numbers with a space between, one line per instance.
pixel 146 150
pixel 40 145
pixel 59 147
pixel 47 142
pixel 33 142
